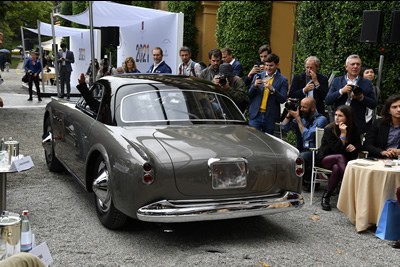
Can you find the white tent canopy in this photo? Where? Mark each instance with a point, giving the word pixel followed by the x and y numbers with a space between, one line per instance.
pixel 60 31
pixel 106 14
pixel 141 29
pixel 79 43
pixel 48 45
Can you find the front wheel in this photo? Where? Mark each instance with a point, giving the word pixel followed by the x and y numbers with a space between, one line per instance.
pixel 108 215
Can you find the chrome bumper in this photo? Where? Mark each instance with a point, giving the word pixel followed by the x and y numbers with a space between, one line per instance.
pixel 172 211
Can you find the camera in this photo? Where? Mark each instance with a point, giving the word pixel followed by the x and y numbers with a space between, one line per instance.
pixel 30 73
pixel 293 104
pixel 222 80
pixel 356 90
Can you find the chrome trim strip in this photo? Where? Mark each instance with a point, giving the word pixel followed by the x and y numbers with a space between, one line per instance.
pixel 170 211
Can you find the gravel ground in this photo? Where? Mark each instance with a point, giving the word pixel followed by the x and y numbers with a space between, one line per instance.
pixel 63 215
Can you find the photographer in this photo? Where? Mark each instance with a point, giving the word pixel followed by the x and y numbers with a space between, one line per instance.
pixel 304 119
pixel 353 90
pixel 232 84
pixel 105 69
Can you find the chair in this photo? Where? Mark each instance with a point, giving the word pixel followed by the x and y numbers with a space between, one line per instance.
pixel 316 171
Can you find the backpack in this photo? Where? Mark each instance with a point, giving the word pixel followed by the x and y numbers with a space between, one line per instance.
pixel 202 65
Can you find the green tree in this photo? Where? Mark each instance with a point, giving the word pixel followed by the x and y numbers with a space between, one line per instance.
pixel 26 14
pixel 146 4
pixel 66 9
pixel 331 31
pixel 243 26
pixel 190 30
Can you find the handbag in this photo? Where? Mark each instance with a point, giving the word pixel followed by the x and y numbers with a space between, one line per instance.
pixel 25 78
pixel 389 222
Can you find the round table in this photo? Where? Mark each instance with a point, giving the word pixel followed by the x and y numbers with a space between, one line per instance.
pixel 366 186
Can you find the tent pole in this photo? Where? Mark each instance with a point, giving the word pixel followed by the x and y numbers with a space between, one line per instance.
pixel 55 52
pixel 92 41
pixel 23 45
pixel 40 53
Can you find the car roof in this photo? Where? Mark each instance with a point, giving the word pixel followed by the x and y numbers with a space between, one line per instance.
pixel 178 81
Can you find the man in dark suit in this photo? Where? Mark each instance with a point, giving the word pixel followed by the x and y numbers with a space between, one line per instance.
pixel 341 92
pixel 267 91
pixel 159 65
pixel 65 59
pixel 383 139
pixel 227 57
pixel 310 84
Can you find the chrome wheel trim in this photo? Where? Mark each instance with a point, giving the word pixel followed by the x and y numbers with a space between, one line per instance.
pixel 101 188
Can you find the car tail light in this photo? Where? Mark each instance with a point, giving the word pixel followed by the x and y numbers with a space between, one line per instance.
pixel 299 166
pixel 148 174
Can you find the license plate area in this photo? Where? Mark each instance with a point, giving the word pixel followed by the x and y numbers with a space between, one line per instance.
pixel 228 173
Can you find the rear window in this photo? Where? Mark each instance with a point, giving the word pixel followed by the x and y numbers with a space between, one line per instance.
pixel 178 105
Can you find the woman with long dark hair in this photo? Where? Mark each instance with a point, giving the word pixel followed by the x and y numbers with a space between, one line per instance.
pixel 340 143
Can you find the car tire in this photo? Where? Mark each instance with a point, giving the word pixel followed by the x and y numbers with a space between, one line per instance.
pixel 108 215
pixel 53 164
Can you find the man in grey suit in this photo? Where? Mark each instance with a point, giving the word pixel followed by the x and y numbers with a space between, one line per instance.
pixel 65 59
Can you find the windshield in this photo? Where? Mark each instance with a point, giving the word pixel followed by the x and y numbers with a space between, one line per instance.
pixel 178 105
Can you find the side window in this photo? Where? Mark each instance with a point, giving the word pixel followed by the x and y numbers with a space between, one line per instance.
pixel 90 100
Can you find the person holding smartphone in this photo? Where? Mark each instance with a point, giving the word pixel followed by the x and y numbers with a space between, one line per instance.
pixel 267 91
pixel 66 58
pixel 258 67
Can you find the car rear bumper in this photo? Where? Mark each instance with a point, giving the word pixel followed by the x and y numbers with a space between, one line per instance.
pixel 172 211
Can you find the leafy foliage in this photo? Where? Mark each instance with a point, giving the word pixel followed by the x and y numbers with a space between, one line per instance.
pixel 243 26
pixel 190 30
pixel 331 31
pixel 146 4
pixel 66 9
pixel 77 8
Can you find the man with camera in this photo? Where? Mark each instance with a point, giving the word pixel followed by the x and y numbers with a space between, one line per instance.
pixel 310 83
pixel 105 68
pixel 66 58
pixel 214 56
pixel 304 118
pixel 232 84
pixel 353 90
pixel 267 91
pixel 258 67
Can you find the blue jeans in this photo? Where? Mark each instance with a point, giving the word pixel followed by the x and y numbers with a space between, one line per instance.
pixel 261 123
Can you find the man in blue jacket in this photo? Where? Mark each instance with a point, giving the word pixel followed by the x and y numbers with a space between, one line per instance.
pixel 353 90
pixel 268 90
pixel 159 65
pixel 227 57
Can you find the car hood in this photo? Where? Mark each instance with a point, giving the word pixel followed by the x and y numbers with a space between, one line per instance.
pixel 191 148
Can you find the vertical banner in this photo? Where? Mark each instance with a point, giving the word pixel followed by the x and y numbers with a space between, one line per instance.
pixel 80 45
pixel 138 40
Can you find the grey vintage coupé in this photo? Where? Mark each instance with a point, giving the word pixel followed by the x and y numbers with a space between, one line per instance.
pixel 166 148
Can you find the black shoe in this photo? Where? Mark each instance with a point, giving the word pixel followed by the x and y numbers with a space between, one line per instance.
pixel 396 244
pixel 39 99
pixel 30 99
pixel 62 96
pixel 326 197
pixel 68 97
